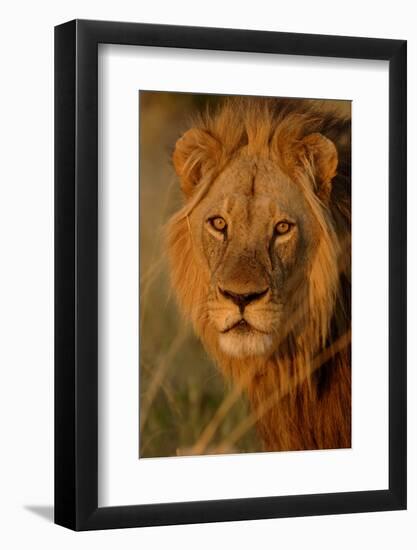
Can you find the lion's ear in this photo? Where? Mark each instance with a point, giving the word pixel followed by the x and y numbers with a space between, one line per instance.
pixel 321 155
pixel 196 153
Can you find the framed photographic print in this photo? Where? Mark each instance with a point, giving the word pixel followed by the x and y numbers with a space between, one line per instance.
pixel 230 236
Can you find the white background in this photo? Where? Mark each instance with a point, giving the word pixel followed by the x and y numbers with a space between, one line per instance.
pixel 123 479
pixel 26 300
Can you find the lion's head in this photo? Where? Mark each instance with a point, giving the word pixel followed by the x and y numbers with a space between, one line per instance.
pixel 255 257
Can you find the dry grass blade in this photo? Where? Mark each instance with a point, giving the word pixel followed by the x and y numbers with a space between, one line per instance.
pixel 160 372
pixel 209 431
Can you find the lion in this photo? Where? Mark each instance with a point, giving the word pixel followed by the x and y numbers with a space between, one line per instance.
pixel 259 260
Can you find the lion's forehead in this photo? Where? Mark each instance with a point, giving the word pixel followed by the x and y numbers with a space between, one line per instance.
pixel 248 211
pixel 252 189
pixel 251 176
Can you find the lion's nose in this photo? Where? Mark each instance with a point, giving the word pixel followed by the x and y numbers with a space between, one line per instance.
pixel 242 300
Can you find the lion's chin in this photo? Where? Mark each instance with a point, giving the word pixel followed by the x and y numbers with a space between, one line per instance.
pixel 248 344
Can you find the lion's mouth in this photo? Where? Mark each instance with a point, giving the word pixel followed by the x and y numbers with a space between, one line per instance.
pixel 242 339
pixel 241 326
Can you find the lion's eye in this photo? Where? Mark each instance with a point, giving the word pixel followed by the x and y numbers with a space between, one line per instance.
pixel 282 227
pixel 218 223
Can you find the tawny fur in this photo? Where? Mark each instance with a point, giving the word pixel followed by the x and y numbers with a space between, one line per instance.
pixel 300 390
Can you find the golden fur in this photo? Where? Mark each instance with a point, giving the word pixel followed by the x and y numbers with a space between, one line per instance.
pixel 271 308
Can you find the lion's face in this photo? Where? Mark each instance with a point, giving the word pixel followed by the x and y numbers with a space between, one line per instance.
pixel 254 245
pixel 255 237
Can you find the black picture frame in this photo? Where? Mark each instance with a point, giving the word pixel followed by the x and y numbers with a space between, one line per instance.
pixel 76 272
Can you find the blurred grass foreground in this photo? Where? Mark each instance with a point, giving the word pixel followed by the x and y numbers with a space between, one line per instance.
pixel 185 405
